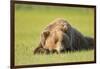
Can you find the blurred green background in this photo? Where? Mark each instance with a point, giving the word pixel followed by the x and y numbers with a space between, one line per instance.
pixel 30 21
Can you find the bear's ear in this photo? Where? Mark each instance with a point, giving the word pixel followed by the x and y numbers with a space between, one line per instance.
pixel 44 36
pixel 46 33
pixel 66 27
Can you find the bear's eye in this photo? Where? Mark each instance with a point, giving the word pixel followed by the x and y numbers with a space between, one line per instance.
pixel 56 41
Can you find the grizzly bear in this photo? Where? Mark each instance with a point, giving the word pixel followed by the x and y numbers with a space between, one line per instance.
pixel 60 36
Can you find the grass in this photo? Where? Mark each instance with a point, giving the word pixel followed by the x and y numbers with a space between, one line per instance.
pixel 30 20
pixel 81 56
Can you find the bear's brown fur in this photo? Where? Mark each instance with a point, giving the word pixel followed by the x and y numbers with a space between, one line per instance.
pixel 59 37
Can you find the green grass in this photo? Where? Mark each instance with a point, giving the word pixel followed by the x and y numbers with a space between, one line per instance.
pixel 30 20
pixel 81 56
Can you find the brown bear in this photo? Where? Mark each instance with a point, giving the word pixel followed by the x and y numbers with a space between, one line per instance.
pixel 60 36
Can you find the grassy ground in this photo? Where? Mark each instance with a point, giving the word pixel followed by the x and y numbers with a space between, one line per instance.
pixel 30 21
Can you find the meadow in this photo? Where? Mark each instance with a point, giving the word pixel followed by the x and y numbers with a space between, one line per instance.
pixel 30 20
